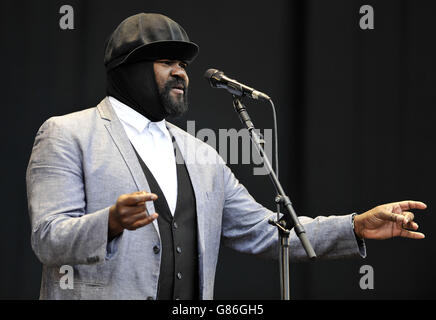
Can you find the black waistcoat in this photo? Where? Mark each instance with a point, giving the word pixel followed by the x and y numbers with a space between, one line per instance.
pixel 178 278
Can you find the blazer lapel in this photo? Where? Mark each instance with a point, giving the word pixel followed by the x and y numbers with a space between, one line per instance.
pixel 187 150
pixel 119 136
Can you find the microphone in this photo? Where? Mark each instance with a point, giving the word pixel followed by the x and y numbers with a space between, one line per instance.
pixel 217 79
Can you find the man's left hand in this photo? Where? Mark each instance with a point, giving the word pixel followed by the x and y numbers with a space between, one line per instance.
pixel 388 221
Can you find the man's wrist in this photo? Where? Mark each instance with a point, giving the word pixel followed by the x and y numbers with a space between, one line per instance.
pixel 356 225
pixel 114 228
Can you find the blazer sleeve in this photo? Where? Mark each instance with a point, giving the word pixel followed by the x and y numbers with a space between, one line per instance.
pixel 246 228
pixel 61 231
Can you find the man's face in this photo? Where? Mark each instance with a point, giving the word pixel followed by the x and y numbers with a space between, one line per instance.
pixel 172 82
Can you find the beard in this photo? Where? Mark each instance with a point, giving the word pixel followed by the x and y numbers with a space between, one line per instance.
pixel 174 107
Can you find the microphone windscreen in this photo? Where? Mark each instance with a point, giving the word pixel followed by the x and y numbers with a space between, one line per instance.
pixel 209 73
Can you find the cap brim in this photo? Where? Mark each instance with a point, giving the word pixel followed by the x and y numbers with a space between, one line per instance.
pixel 168 49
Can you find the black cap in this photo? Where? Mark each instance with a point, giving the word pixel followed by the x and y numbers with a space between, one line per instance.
pixel 148 36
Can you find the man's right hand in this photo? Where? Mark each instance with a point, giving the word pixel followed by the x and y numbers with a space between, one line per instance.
pixel 130 212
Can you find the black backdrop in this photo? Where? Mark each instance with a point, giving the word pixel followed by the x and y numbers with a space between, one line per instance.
pixel 356 114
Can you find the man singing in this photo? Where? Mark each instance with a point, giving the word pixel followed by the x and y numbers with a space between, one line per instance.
pixel 112 194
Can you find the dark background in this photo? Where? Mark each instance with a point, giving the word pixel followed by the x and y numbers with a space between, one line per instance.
pixel 356 112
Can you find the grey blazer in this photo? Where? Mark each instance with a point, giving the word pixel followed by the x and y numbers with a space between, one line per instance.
pixel 82 162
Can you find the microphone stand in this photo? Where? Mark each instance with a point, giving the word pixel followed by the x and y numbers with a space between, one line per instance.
pixel 289 219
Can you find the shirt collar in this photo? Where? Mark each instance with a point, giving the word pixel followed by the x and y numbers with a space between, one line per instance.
pixel 134 118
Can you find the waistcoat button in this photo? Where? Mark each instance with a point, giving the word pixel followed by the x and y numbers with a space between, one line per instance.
pixel 156 249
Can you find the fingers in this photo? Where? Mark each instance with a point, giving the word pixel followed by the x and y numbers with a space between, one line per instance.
pixel 131 211
pixel 412 234
pixel 390 220
pixel 408 217
pixel 410 204
pixel 141 220
pixel 136 198
pixel 403 219
pixel 405 224
pixel 411 226
pixel 397 211
pixel 390 216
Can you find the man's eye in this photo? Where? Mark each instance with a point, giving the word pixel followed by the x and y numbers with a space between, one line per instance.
pixel 170 62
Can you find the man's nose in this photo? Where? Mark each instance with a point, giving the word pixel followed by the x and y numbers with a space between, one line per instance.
pixel 180 72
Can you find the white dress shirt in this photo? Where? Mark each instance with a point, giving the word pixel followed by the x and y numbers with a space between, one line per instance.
pixel 153 143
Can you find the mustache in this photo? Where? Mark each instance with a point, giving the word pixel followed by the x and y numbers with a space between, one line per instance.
pixel 176 83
